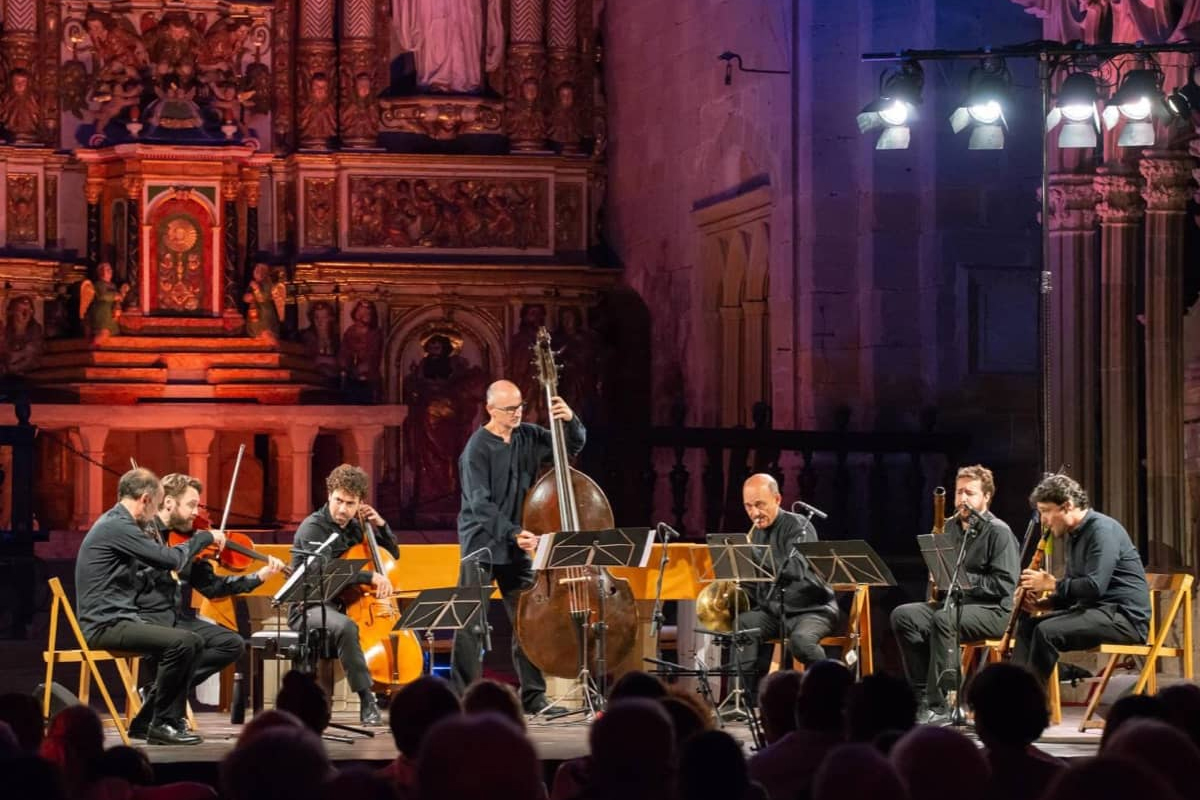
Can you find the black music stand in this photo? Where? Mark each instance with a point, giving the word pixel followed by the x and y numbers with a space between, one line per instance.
pixel 440 610
pixel 840 561
pixel 315 582
pixel 613 547
pixel 736 559
pixel 944 556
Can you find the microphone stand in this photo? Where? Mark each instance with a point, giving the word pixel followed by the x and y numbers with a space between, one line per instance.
pixel 656 616
pixel 485 627
pixel 958 717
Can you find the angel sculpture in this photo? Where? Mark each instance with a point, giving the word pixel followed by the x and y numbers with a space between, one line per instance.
pixel 265 296
pixel 100 304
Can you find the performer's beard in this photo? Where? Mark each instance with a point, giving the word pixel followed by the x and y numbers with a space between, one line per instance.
pixel 178 523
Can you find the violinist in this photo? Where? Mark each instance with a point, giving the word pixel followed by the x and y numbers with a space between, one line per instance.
pixel 160 591
pixel 501 461
pixel 339 518
pixel 107 569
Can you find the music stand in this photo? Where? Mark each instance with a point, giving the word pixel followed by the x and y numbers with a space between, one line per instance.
pixel 842 561
pixel 945 560
pixel 326 579
pixel 736 559
pixel 440 610
pixel 612 547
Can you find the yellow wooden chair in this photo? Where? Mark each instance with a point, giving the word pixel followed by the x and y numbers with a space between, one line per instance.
pixel 855 637
pixel 1169 594
pixel 88 660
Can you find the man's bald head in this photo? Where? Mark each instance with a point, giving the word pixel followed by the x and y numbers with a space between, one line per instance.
pixel 760 498
pixel 501 391
pixel 762 480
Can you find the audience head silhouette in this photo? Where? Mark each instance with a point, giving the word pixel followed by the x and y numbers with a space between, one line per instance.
pixel 416 708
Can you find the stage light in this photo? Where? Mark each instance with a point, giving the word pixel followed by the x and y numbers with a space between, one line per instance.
pixel 1075 108
pixel 1184 102
pixel 1138 101
pixel 983 109
pixel 896 107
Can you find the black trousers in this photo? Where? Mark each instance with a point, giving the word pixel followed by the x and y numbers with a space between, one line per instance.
pixel 1040 640
pixel 804 634
pixel 177 653
pixel 925 634
pixel 222 647
pixel 511 580
pixel 342 632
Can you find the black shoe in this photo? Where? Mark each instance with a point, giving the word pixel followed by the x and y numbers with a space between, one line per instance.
pixel 546 711
pixel 369 714
pixel 168 733
pixel 140 724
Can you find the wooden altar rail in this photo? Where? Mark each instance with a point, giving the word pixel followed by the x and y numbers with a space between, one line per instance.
pixel 874 485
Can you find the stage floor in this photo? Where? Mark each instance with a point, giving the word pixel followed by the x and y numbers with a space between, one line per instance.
pixel 555 740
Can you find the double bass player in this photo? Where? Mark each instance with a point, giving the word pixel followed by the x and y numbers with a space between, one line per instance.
pixel 496 470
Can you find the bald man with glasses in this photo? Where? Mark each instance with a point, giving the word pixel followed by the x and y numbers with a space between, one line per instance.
pixel 500 463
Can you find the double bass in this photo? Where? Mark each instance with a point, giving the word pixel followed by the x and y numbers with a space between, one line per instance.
pixel 391 663
pixel 555 617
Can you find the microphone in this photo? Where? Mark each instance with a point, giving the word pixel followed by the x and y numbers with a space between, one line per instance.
pixel 316 551
pixel 813 511
pixel 666 532
pixel 975 516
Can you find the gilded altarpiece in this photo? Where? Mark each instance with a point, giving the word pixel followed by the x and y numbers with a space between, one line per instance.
pixel 182 240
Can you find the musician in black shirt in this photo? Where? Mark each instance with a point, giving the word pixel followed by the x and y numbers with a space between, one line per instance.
pixel 496 470
pixel 337 524
pixel 925 631
pixel 1103 597
pixel 802 601
pixel 113 553
pixel 160 591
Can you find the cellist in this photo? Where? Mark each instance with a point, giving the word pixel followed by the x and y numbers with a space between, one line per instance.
pixel 160 595
pixel 501 461
pixel 339 518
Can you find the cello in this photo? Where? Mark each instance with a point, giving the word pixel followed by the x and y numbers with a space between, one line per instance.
pixel 389 665
pixel 555 616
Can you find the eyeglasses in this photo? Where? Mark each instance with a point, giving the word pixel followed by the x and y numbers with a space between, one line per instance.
pixel 510 409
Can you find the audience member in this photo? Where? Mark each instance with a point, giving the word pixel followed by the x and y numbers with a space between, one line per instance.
pixel 1127 708
pixel 938 763
pixel 712 767
pixel 636 683
pixel 360 783
pixel 1108 778
pixel 620 741
pixel 33 778
pixel 688 713
pixel 415 709
pixel 126 763
pixel 879 703
pixel 23 713
pixel 777 703
pixel 1010 715
pixel 302 696
pixel 1161 747
pixel 478 756
pixel 786 768
pixel 74 743
pixel 487 695
pixel 1181 708
pixel 267 720
pixel 282 762
pixel 860 771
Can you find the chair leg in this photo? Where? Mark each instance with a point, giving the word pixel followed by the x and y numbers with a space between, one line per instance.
pixel 1105 675
pixel 1054 698
pixel 117 719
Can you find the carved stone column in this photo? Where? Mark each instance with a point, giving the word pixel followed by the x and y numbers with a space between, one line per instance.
pixel 358 113
pixel 282 75
pixel 301 438
pixel 48 71
pixel 18 46
pixel 366 443
pixel 199 446
pixel 252 193
pixel 1120 210
pixel 229 264
pixel 1166 192
pixel 526 119
pixel 564 69
pixel 316 117
pixel 1074 356
pixel 93 191
pixel 133 238
pixel 93 437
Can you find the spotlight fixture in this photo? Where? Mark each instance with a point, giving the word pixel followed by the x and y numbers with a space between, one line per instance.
pixel 1184 102
pixel 1138 101
pixel 983 109
pixel 896 107
pixel 1075 108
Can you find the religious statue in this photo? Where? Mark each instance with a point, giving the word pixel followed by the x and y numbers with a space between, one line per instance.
pixel 266 297
pixel 317 116
pixel 320 338
pixel 362 351
pixel 442 393
pixel 520 359
pixel 360 117
pixel 23 337
pixel 564 120
pixel 526 122
pixel 229 103
pixel 119 54
pixel 172 45
pixel 20 111
pixel 100 304
pixel 452 41
pixel 223 47
pixel 109 101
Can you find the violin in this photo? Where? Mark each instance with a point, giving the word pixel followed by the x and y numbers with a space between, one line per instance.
pixel 238 554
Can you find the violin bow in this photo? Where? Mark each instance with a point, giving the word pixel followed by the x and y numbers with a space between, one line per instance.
pixel 237 465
